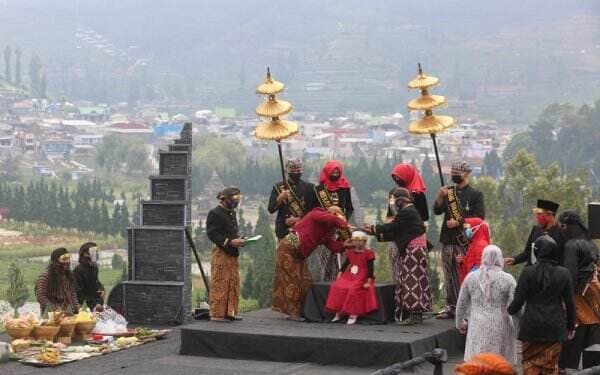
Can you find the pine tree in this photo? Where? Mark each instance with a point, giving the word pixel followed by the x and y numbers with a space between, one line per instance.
pixel 124 272
pixel 17 293
pixel 116 219
pixel 18 66
pixel 248 287
pixel 7 58
pixel 116 262
pixel 105 222
pixel 264 259
pixel 125 221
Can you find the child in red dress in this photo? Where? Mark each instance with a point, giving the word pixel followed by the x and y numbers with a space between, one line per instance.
pixel 353 292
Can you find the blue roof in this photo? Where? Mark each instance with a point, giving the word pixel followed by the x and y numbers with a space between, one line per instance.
pixel 164 129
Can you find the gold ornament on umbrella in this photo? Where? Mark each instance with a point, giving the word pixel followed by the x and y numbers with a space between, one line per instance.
pixel 429 123
pixel 274 129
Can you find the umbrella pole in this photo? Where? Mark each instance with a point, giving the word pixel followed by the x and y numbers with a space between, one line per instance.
pixel 281 164
pixel 437 158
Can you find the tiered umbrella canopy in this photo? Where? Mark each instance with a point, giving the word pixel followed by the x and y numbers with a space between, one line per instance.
pixel 274 129
pixel 429 124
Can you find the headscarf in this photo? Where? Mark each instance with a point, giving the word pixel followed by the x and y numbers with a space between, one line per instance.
pixel 575 228
pixel 85 248
pixel 546 253
pixel 341 183
pixel 486 363
pixel 477 243
pixel 492 262
pixel 409 174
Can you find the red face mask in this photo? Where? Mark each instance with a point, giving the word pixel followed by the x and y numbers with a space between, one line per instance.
pixel 541 219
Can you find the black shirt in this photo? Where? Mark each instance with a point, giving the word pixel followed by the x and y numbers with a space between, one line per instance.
pixel 471 202
pixel 544 319
pixel 420 202
pixel 580 259
pixel 221 228
pixel 343 199
pixel 305 193
pixel 536 232
pixel 406 226
pixel 88 285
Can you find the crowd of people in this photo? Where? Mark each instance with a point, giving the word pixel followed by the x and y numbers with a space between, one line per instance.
pixel 553 308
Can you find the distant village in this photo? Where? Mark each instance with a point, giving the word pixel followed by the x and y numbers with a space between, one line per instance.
pixel 54 134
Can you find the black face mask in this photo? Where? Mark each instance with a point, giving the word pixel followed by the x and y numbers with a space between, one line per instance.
pixel 334 178
pixel 400 182
pixel 294 177
pixel 457 179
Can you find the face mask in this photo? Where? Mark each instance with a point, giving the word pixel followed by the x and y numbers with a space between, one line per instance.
pixel 457 179
pixel 541 220
pixel 294 177
pixel 334 178
pixel 400 182
pixel 470 232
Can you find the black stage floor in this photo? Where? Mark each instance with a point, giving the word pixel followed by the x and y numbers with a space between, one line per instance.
pixel 266 336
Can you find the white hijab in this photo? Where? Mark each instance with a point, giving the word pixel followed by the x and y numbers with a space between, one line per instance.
pixel 492 263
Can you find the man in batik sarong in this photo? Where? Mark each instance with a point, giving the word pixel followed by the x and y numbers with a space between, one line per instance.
pixel 407 231
pixel 222 230
pixel 546 290
pixel 292 276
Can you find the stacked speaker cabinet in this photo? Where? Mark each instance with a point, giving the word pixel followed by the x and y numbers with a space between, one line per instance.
pixel 159 286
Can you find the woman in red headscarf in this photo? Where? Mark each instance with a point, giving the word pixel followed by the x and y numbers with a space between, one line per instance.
pixel 478 233
pixel 406 175
pixel 333 189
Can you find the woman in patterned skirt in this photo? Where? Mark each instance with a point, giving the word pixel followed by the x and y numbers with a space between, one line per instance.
pixel 407 231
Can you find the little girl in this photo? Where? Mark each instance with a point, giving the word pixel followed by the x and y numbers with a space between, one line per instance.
pixel 353 292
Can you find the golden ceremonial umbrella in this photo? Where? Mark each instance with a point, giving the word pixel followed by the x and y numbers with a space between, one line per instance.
pixel 275 129
pixel 430 123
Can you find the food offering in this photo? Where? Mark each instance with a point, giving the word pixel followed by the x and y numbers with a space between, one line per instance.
pixel 85 323
pixel 19 328
pixel 44 352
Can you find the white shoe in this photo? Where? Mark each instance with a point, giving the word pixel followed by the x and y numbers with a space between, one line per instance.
pixel 336 318
pixel 352 320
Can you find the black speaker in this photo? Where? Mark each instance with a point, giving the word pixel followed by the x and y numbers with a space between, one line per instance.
pixel 594 219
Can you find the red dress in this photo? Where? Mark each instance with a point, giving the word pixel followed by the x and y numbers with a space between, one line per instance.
pixel 347 295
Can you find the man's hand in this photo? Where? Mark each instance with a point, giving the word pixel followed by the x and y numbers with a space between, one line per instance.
pixel 571 335
pixel 367 285
pixel 452 224
pixel 290 221
pixel 101 293
pixel 339 274
pixel 237 242
pixel 367 228
pixel 283 197
pixel 442 193
pixel 509 261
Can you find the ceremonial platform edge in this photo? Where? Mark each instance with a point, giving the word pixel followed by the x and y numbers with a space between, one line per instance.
pixel 266 336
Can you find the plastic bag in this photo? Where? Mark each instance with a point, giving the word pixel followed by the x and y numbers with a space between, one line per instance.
pixel 110 322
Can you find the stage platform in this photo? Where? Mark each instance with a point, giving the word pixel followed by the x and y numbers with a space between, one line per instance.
pixel 265 335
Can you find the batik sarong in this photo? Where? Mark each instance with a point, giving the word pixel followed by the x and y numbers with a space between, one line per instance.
pixel 451 282
pixel 292 278
pixel 224 284
pixel 415 288
pixel 540 358
pixel 328 263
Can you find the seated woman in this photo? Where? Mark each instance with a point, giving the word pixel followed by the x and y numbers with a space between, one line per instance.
pixel 353 292
pixel 477 232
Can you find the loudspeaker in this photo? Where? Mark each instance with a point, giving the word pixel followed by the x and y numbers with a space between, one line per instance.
pixel 594 219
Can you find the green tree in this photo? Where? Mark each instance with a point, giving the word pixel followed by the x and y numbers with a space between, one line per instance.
pixel 249 284
pixel 263 259
pixel 7 58
pixel 35 68
pixel 117 262
pixel 18 54
pixel 17 292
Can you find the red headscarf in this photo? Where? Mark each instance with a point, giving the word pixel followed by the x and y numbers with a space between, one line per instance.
pixel 333 185
pixel 410 175
pixel 480 239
